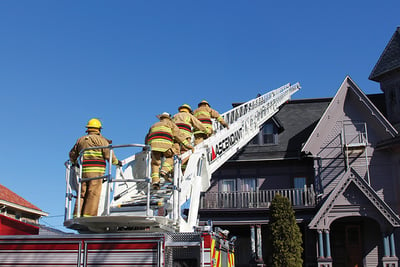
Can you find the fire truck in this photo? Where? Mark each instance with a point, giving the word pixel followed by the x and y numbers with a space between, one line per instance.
pixel 139 226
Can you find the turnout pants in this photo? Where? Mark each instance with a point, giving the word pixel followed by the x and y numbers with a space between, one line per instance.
pixel 166 167
pixel 90 195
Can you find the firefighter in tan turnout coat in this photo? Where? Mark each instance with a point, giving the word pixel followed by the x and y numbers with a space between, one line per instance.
pixel 161 137
pixel 94 162
pixel 205 113
pixel 187 122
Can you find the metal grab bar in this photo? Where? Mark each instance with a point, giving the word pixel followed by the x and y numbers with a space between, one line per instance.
pixel 71 176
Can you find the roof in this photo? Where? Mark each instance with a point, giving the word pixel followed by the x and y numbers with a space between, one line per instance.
pixel 389 59
pixel 298 118
pixel 11 197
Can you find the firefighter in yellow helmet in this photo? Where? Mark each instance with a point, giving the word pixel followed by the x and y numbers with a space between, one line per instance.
pixel 186 123
pixel 205 113
pixel 161 138
pixel 94 163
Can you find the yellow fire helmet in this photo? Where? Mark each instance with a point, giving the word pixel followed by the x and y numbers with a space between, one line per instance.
pixel 185 106
pixel 94 123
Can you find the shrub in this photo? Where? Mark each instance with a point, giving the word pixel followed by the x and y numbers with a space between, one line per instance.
pixel 285 234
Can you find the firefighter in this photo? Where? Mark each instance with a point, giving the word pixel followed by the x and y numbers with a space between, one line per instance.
pixel 161 138
pixel 186 123
pixel 93 165
pixel 205 113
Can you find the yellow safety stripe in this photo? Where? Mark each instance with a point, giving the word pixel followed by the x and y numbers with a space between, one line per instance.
pixel 93 169
pixel 158 137
pixel 201 112
pixel 231 259
pixel 160 141
pixel 218 258
pixel 167 166
pixel 93 153
pixel 161 129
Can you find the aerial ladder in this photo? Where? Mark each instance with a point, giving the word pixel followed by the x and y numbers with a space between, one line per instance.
pixel 128 202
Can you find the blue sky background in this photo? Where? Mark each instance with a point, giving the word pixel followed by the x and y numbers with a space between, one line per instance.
pixel 63 62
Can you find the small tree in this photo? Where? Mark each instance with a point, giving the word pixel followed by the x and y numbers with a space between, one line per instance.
pixel 285 234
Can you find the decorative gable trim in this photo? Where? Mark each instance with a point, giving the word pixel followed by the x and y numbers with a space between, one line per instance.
pixel 325 216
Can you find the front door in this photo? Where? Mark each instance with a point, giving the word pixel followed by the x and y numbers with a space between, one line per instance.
pixel 353 246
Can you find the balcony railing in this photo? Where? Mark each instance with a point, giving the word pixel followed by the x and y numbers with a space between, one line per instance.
pixel 299 197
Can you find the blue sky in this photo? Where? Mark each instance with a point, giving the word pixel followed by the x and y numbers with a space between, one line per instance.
pixel 64 62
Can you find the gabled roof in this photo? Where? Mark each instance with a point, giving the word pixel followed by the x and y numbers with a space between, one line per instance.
pixel 335 109
pixel 9 198
pixel 352 183
pixel 297 118
pixel 389 59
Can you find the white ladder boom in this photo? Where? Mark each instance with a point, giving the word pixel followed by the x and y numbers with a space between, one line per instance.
pixel 245 122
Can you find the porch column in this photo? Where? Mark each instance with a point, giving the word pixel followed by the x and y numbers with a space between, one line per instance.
pixel 320 245
pixel 386 250
pixel 389 258
pixel 259 244
pixel 253 242
pixel 392 246
pixel 327 244
pixel 321 259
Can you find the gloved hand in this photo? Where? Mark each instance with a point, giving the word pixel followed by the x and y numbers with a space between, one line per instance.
pixel 119 164
pixel 190 147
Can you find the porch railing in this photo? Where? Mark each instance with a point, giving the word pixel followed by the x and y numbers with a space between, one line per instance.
pixel 299 197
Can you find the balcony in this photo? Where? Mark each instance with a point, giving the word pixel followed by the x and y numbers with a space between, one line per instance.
pixel 299 197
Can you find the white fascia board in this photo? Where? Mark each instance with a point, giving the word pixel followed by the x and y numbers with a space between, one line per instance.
pixel 22 208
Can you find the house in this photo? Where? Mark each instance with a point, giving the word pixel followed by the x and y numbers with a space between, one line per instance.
pixel 337 161
pixel 17 215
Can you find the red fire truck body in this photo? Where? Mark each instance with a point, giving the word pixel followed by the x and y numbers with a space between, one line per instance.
pixel 137 249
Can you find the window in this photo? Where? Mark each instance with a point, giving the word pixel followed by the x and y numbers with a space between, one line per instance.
pixel 299 183
pixel 267 136
pixel 228 185
pixel 227 193
pixel 248 185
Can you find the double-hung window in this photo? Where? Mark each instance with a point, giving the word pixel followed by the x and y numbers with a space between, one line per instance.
pixel 267 136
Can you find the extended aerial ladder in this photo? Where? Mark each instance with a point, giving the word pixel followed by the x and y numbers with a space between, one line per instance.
pixel 127 201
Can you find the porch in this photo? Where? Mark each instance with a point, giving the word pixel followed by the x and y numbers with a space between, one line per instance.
pixel 299 197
